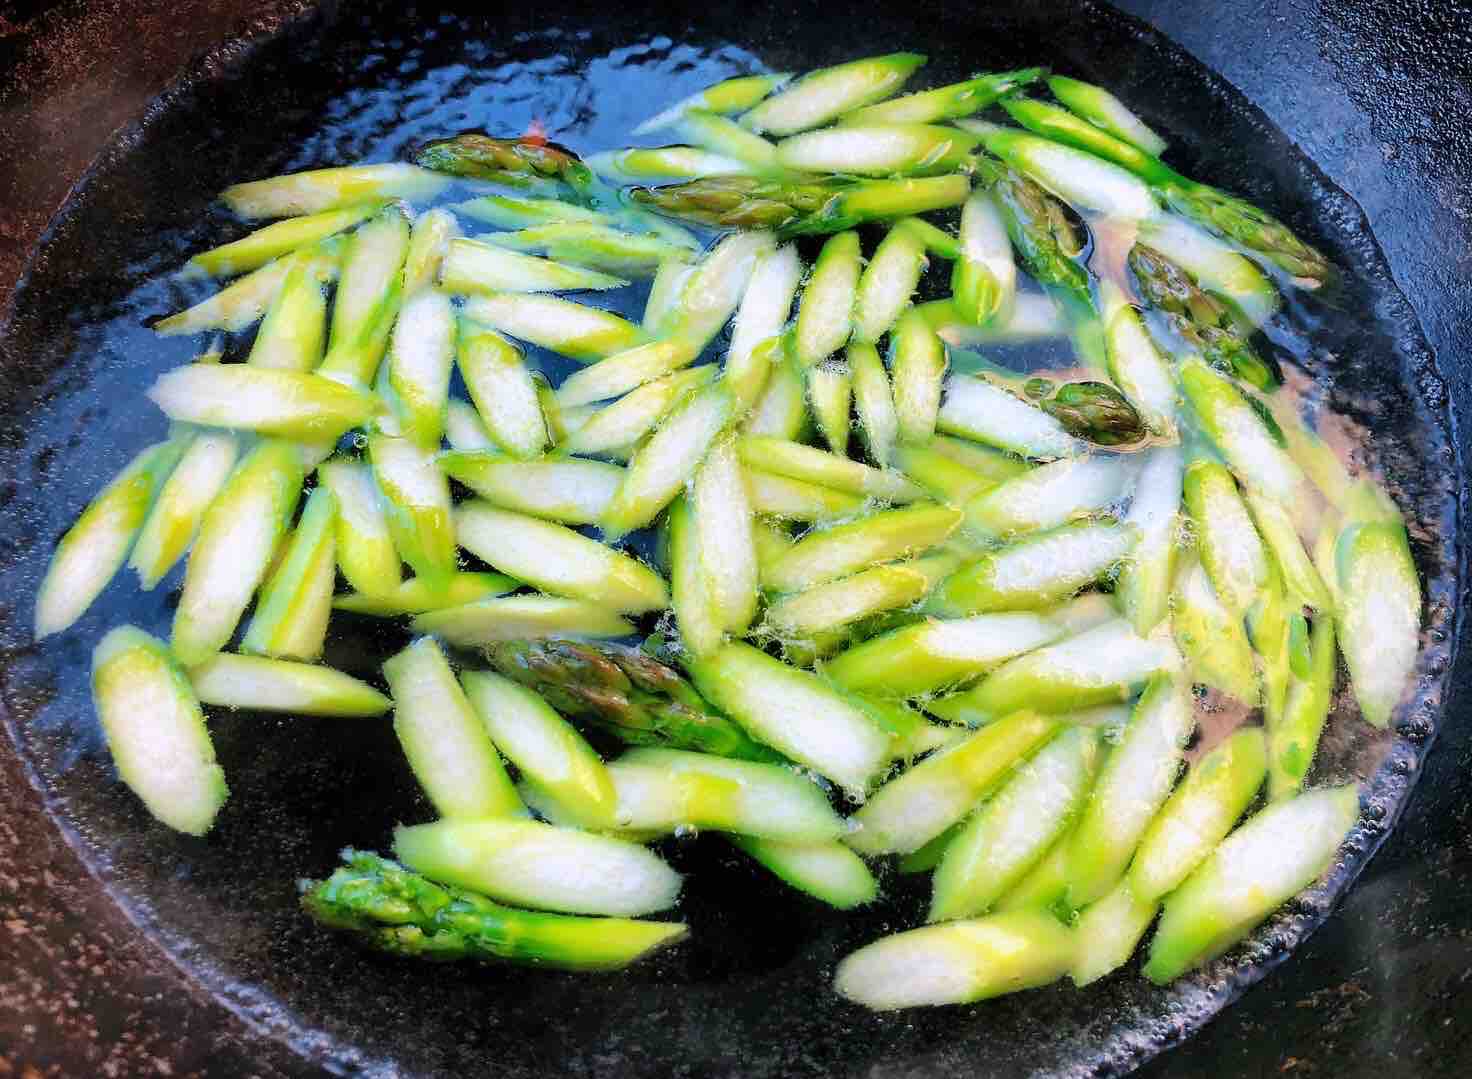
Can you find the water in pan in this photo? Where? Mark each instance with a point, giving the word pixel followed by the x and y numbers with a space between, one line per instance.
pixel 748 995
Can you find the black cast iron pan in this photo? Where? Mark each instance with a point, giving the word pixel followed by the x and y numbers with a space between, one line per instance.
pixel 749 997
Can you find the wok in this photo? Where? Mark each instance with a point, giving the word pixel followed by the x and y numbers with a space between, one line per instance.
pixel 125 950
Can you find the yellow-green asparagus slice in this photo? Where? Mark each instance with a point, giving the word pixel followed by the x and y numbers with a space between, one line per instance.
pixel 290 621
pixel 262 684
pixel 319 191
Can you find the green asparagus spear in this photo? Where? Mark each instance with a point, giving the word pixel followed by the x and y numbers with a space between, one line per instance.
pixel 395 910
pixel 945 102
pixel 626 692
pixel 1104 110
pixel 518 162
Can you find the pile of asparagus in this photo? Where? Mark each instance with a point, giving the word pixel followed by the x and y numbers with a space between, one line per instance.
pixel 983 624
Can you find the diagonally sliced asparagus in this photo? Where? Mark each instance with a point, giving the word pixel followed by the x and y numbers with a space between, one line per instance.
pixel 1230 547
pixel 275 241
pixel 888 282
pixel 402 913
pixel 1108 931
pixel 766 305
pixel 367 299
pixel 626 421
pixel 290 621
pixel 591 248
pixel 1101 108
pixel 946 102
pixel 959 962
pixel 830 398
pixel 665 163
pixel 715 287
pixel 842 474
pixel 1379 613
pixel 825 312
pixel 537 865
pixel 824 95
pixel 1134 784
pixel 781 410
pixel 1240 433
pixel 829 872
pixel 93 549
pixel 661 467
pixel 730 95
pixel 323 190
pixel 557 559
pixel 918 371
pixel 365 546
pixel 710 131
pixel 445 741
pixel 877 150
pixel 294 331
pixel 241 304
pixel 1216 266
pixel 570 491
pixel 797 500
pixel 1136 365
pixel 473 267
pixel 881 537
pixel 845 601
pixel 516 618
pixel 701 630
pixel 1049 495
pixel 724 541
pixel 464 429
pixel 984 277
pixel 1213 639
pixel 416 379
pixel 1272 857
pixel 1075 176
pixel 935 653
pixel 1294 738
pixel 908 812
pixel 664 292
pixel 1012 831
pixel 1144 581
pixel 290 404
pixel 155 730
pixel 504 393
pixel 1200 813
pixel 262 684
pixel 181 504
pixel 429 238
pixel 793 712
pixel 1275 525
pixel 415 597
pixel 416 501
pixel 977 410
pixel 1034 572
pixel 546 750
pixel 1103 665
pixel 627 371
pixel 236 539
pixel 873 402
pixel 569 329
pixel 520 212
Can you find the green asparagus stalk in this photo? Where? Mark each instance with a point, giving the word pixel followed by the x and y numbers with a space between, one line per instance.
pixel 1041 228
pixel 278 240
pixel 826 871
pixel 1230 548
pixel 806 207
pixel 320 191
pixel 367 299
pixel 719 135
pixel 917 375
pixel 877 150
pixel 1104 110
pixel 514 618
pixel 429 237
pixel 1136 364
pixel 569 329
pixel 946 102
pixel 365 545
pixel 881 537
pixel 241 304
pixel 181 504
pixel 1294 738
pixel 1143 587
pixel 570 491
pixel 416 499
pixel 626 692
pixel 503 391
pixel 789 499
pixel 825 311
pixel 1212 638
pixel 400 912
pixel 824 95
pixel 290 404
pixel 1076 176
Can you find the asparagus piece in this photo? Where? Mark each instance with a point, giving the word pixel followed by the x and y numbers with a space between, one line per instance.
pixel 1213 639
pixel 656 163
pixel 364 543
pixel 1041 228
pixel 1103 665
pixel 558 560
pixel 728 96
pixel 1230 547
pixel 155 730
pixel 984 277
pixel 548 753
pixel 290 404
pixel 1048 496
pixel 1294 737
pixel 918 367
pixel 889 281
pixel 880 537
pixel 1203 809
pixel 629 419
pixel 715 286
pixel 502 389
pixel 291 616
pixel 1379 612
pixel 586 247
pixel 626 371
pixel 1198 264
pixel 959 962
pixel 1034 572
pixel 829 872
pixel 569 329
pixel 415 597
pixel 933 654
pixel 261 684
pixel 517 162
pixel 825 312
pixel 719 135
pixel 320 191
pixel 537 865
pixel 429 238
pixel 1135 363
pixel 975 409
pixel 801 462
pixel 824 95
pixel 845 601
pixel 1144 580
pixel 1104 110
pixel 367 299
pixel 93 549
pixel 874 402
pixel 1301 581
pixel 1134 783
pixel 1240 433
pixel 276 241
pixel 416 499
pixel 946 102
pixel 294 331
pixel 416 380
pixel 801 207
pixel 446 743
pixel 474 267
pixel 464 429
pixel 1277 853
pixel 1012 831
pixel 231 555
pixel 516 618
pixel 662 789
pixel 182 501
pixel 794 712
pixel 830 388
pixel 569 491
pixel 1108 931
pixel 626 692
pixel 908 812
pixel 521 212
pixel 1077 177
pixel 797 500
pixel 402 913
pixel 766 303
pixel 723 539
pixel 700 626
pixel 781 410
pixel 241 304
pixel 877 150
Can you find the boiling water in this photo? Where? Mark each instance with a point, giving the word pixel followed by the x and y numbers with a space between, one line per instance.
pixel 301 789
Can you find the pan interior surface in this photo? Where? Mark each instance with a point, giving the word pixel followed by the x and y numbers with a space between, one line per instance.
pixel 749 994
